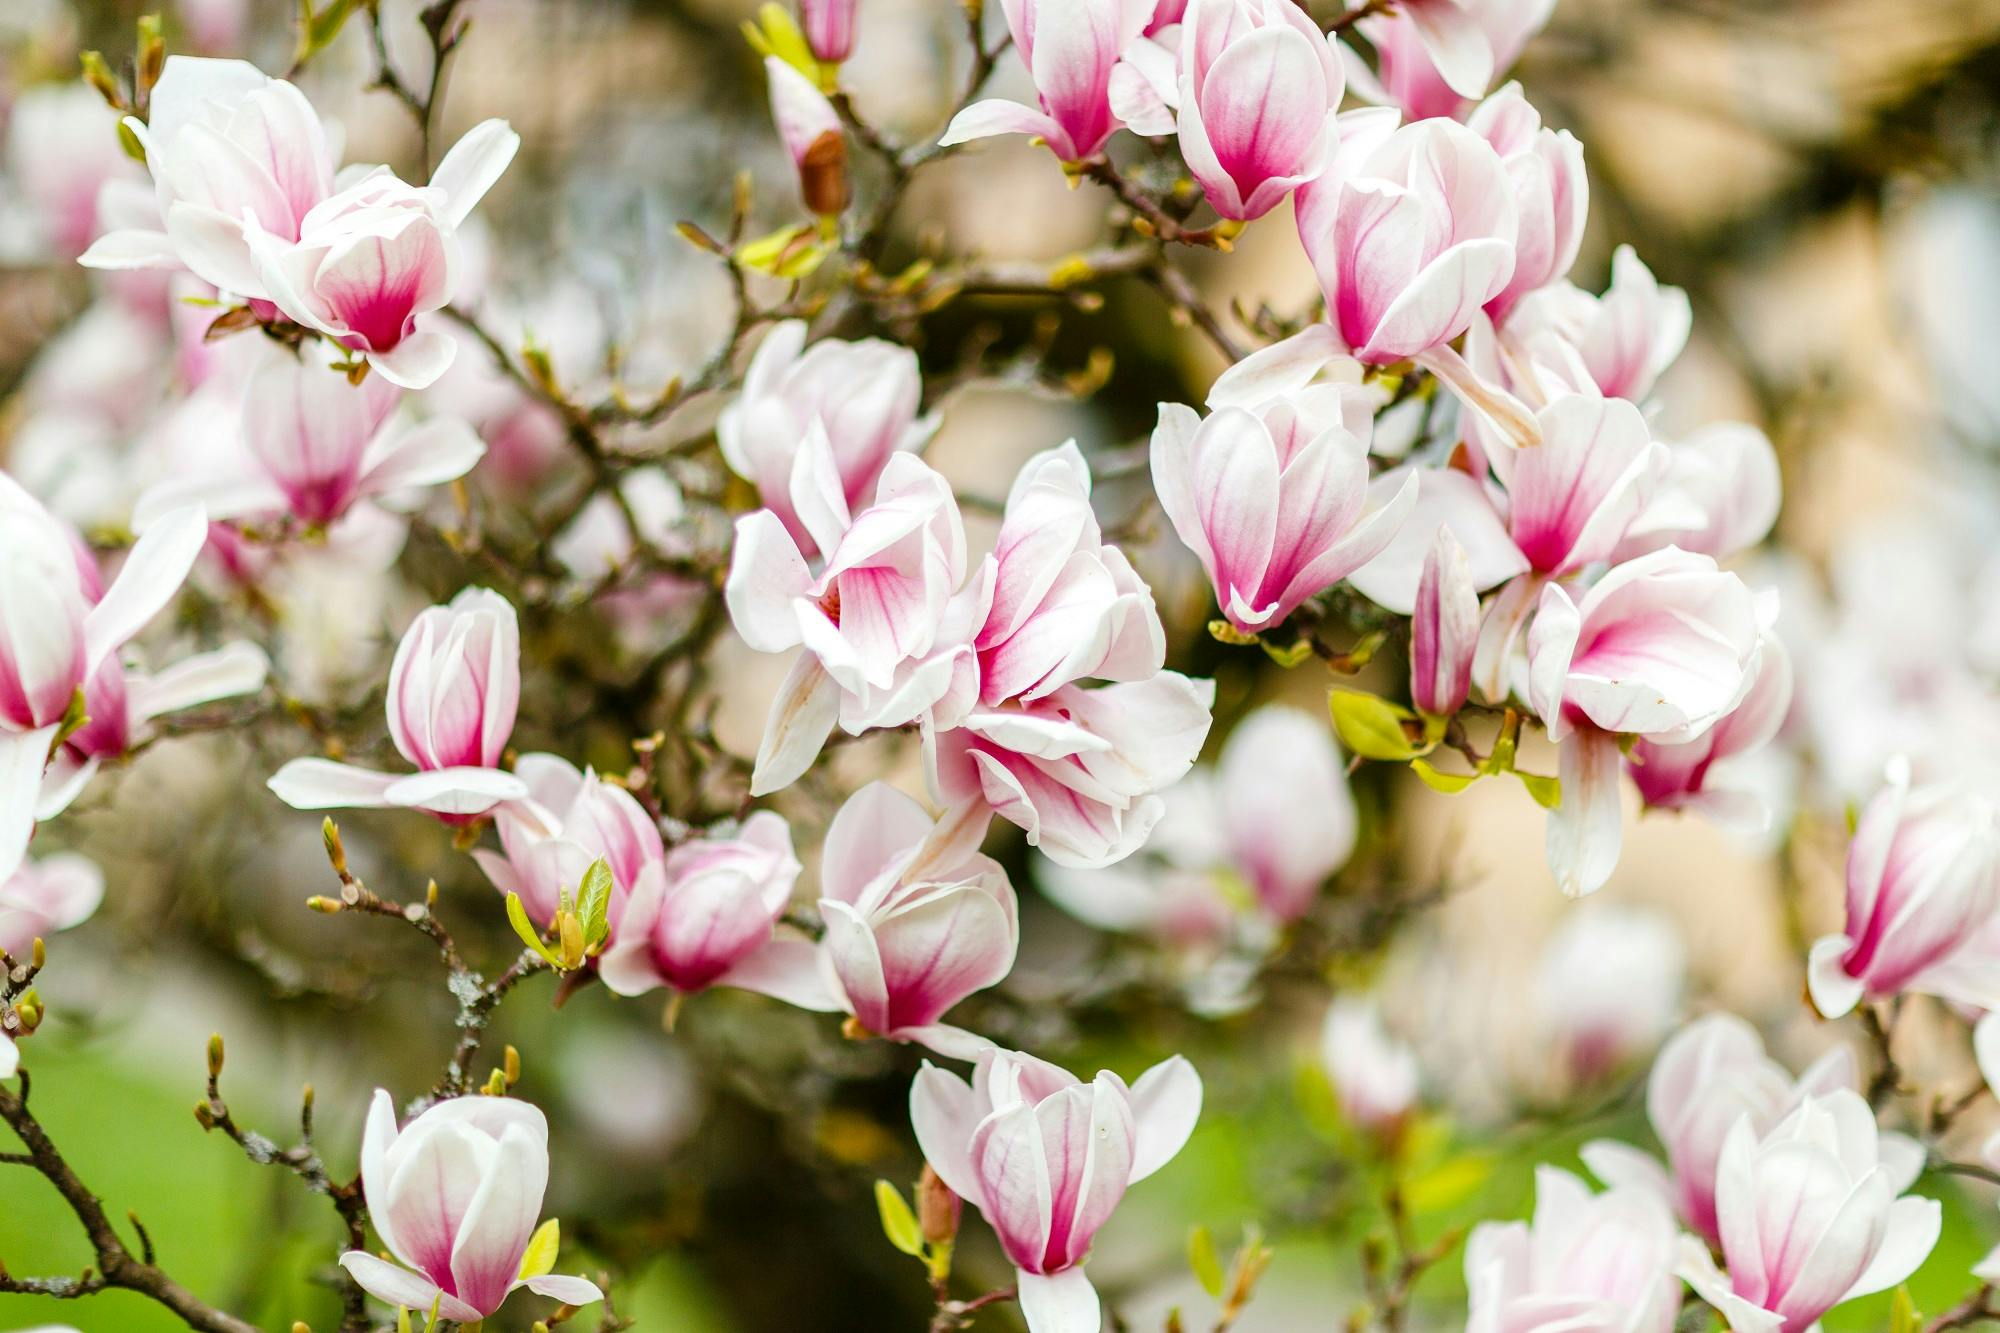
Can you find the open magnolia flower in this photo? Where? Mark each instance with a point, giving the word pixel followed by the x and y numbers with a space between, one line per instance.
pixel 454 1196
pixel 46 896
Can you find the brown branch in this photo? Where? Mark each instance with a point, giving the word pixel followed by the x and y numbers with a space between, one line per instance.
pixel 1974 1309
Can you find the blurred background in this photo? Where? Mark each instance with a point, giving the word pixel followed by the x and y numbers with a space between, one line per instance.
pixel 1821 176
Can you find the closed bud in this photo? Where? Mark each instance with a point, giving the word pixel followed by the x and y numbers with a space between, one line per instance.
pixel 813 135
pixel 98 75
pixel 571 932
pixel 30 1011
pixel 38 955
pixel 204 1116
pixel 215 1055
pixel 316 903
pixel 937 1208
pixel 512 1064
pixel 152 56
pixel 336 854
pixel 1444 630
pixel 829 28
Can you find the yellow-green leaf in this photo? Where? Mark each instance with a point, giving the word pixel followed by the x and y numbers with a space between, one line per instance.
pixel 517 917
pixel 1449 1183
pixel 1548 792
pixel 540 1258
pixel 1903 1315
pixel 594 904
pixel 1223 632
pixel 789 252
pixel 1202 1259
pixel 1437 780
pixel 899 1224
pixel 1371 727
pixel 1288 657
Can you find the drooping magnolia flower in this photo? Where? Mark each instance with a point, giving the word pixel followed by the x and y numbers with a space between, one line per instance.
pixel 46 896
pixel 829 28
pixel 1693 775
pixel 1437 55
pixel 229 148
pixel 1551 192
pixel 367 262
pixel 1708 1076
pixel 314 445
pixel 1585 1261
pixel 1607 988
pixel 454 1195
pixel 1624 338
pixel 1274 501
pixel 916 920
pixel 864 395
pixel 884 632
pixel 1078 770
pixel 1066 606
pixel 453 690
pixel 567 821
pixel 1810 1216
pixel 812 133
pixel 704 916
pixel 59 627
pixel 1045 1158
pixel 1923 872
pixel 1374 1075
pixel 1444 632
pixel 1259 89
pixel 1070 50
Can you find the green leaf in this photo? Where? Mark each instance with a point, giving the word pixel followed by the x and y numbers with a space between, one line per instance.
pixel 1288 657
pixel 402 1319
pixel 539 1260
pixel 1903 1316
pixel 1223 632
pixel 1372 727
pixel 1448 783
pixel 788 252
pixel 517 917
pixel 776 33
pixel 1202 1259
pixel 899 1224
pixel 594 904
pixel 1548 792
pixel 1449 1183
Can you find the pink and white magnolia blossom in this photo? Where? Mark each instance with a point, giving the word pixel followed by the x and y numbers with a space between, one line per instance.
pixel 60 153
pixel 313 445
pixel 1272 494
pixel 1923 873
pixel 454 1196
pixel 863 395
pixel 1551 192
pixel 883 628
pixel 1607 988
pixel 1694 775
pixel 1435 56
pixel 829 28
pixel 916 920
pixel 231 150
pixel 1623 339
pixel 46 896
pixel 1374 1075
pixel 1078 770
pixel 1573 499
pixel 121 702
pixel 368 262
pixel 1259 86
pixel 1662 647
pixel 454 688
pixel 1602 1262
pixel 1286 814
pixel 1070 51
pixel 59 626
pixel 1444 631
pixel 1045 1158
pixel 704 916
pixel 567 821
pixel 1066 606
pixel 1720 495
pixel 1810 1214
pixel 1710 1075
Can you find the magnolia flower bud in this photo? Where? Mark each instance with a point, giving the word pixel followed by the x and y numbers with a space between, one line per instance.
pixel 1374 1075
pixel 813 136
pixel 938 1208
pixel 829 28
pixel 1444 632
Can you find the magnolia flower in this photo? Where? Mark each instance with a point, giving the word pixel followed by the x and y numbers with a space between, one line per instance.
pixel 60 154
pixel 453 690
pixel 1045 1158
pixel 1809 1216
pixel 1374 1075
pixel 1078 770
pixel 1623 339
pixel 1285 814
pixel 121 702
pixel 1607 988
pixel 1573 499
pixel 454 1195
pixel 1585 1261
pixel 1710 1075
pixel 230 149
pixel 1923 872
pixel 1070 50
pixel 314 445
pixel 1444 631
pixel 567 821
pixel 46 896
pixel 916 920
pixel 1551 192
pixel 884 639
pixel 1259 87
pixel 1719 496
pixel 1437 55
pixel 1273 501
pixel 367 262
pixel 1065 605
pixel 812 134
pixel 704 916
pixel 829 28
pixel 862 395
pixel 58 632
pixel 1684 776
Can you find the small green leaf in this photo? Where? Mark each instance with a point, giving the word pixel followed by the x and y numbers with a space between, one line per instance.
pixel 1903 1315
pixel 899 1224
pixel 1372 727
pixel 1449 783
pixel 1449 1183
pixel 1202 1259
pixel 594 904
pixel 402 1319
pixel 1548 792
pixel 776 33
pixel 1288 657
pixel 789 252
pixel 517 917
pixel 1223 632
pixel 539 1260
